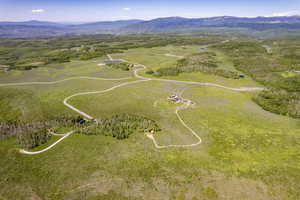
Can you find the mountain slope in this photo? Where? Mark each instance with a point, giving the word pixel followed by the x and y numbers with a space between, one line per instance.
pixel 173 24
pixel 29 29
pixel 159 25
pixel 102 27
pixel 33 23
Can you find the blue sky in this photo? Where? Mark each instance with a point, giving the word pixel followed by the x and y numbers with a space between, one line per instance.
pixel 99 10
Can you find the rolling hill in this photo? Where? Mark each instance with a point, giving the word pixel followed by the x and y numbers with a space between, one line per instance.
pixel 173 24
pixel 159 25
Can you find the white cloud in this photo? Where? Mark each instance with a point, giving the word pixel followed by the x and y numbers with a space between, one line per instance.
pixel 38 10
pixel 127 9
pixel 288 13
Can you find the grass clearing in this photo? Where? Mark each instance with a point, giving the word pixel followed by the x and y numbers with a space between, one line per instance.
pixel 289 74
pixel 39 102
pixel 247 153
pixel 136 99
pixel 55 72
pixel 154 59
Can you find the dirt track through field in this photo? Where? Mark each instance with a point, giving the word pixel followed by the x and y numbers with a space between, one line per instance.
pixel 172 55
pixel 46 149
pixel 64 80
pixel 185 105
pixel 138 67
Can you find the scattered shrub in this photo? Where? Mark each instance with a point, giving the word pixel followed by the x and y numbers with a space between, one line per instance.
pixel 201 62
pixel 253 59
pixel 291 84
pixel 280 102
pixel 168 71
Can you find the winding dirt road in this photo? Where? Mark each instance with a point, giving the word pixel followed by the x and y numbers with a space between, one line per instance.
pixel 95 92
pixel 182 107
pixel 46 149
pixel 138 67
pixel 109 57
pixel 241 89
pixel 172 55
pixel 64 80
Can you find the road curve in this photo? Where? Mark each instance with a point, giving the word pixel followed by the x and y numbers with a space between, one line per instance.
pixel 81 112
pixel 95 92
pixel 46 149
pixel 199 140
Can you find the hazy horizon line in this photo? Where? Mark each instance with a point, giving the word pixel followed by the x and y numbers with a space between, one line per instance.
pixel 148 19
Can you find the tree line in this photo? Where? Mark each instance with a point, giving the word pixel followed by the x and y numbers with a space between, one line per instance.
pixel 121 126
pixel 250 57
pixel 204 62
pixel 33 134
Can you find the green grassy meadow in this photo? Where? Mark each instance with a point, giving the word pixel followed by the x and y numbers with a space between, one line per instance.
pixel 155 58
pixel 247 153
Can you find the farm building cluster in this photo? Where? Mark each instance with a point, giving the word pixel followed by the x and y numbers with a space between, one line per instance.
pixel 177 99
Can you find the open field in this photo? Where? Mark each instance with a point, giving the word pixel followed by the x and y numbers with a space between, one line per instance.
pixel 155 58
pixel 55 72
pixel 246 152
pixel 38 102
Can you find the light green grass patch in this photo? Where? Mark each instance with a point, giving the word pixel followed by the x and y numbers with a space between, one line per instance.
pixel 289 74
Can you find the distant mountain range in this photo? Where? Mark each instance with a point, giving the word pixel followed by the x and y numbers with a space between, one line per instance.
pixel 159 25
pixel 173 24
pixel 34 28
pixel 102 27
